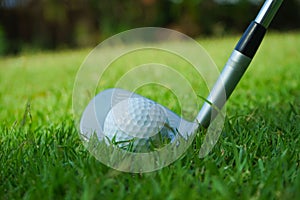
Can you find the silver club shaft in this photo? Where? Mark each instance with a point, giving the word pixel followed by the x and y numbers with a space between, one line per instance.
pixel 237 63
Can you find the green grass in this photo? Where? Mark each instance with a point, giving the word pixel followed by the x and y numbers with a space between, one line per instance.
pixel 256 157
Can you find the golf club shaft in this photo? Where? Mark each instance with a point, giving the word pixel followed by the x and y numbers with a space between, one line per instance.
pixel 238 62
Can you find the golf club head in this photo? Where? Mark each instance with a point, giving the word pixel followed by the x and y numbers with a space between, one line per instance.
pixel 95 114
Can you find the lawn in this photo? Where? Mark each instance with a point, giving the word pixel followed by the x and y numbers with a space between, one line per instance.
pixel 256 157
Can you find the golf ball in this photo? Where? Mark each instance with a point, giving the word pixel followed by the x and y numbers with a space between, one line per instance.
pixel 136 121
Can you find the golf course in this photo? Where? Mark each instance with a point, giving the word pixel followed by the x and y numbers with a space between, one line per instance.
pixel 256 157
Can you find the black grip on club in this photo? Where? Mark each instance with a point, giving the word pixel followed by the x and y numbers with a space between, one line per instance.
pixel 251 39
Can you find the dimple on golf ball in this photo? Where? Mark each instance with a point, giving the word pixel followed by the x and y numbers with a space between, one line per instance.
pixel 135 120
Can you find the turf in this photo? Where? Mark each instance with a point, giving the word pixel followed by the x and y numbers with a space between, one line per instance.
pixel 256 157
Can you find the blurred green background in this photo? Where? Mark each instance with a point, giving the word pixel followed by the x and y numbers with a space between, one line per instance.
pixel 29 25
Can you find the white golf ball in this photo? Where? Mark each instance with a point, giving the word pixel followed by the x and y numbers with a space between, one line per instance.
pixel 135 120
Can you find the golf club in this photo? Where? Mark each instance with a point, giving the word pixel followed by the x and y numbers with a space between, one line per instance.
pixel 121 115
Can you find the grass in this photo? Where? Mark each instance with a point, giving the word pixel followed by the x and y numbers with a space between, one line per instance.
pixel 256 157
